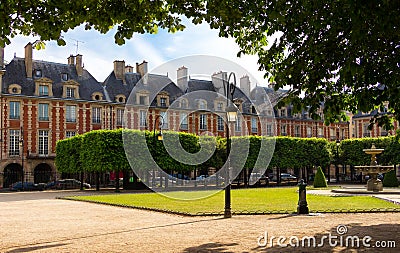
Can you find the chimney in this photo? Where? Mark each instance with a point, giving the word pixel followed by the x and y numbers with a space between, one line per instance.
pixel 245 85
pixel 128 69
pixel 71 60
pixel 28 60
pixel 142 68
pixel 79 66
pixel 218 81
pixel 1 58
pixel 182 78
pixel 119 70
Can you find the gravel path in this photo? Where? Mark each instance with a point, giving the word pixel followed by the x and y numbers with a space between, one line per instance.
pixel 44 224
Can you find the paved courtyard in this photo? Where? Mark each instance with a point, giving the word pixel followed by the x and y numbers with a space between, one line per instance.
pixel 37 222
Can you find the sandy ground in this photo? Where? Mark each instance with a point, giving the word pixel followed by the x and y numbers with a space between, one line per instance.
pixel 36 222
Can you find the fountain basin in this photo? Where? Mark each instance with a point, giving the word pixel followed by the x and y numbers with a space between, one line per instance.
pixel 373 169
pixel 373 184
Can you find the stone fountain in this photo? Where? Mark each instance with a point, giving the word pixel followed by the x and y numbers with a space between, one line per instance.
pixel 373 184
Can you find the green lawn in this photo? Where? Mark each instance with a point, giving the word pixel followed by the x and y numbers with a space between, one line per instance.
pixel 262 200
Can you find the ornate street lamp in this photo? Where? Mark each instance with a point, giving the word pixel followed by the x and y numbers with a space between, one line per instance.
pixel 21 148
pixel 231 117
pixel 158 137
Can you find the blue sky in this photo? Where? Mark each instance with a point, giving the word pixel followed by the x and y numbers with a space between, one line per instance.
pixel 99 50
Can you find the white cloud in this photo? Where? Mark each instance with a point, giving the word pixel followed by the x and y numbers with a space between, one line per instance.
pixel 99 50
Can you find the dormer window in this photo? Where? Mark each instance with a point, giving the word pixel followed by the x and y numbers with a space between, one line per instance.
pixel 120 98
pixel 14 89
pixel 202 105
pixel 220 106
pixel 64 76
pixel 163 99
pixel 38 73
pixel 43 90
pixel 70 92
pixel 184 104
pixel 163 102
pixel 97 96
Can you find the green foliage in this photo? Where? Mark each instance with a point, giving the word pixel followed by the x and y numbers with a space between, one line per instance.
pixel 111 150
pixel 102 150
pixel 68 155
pixel 318 54
pixel 390 179
pixel 49 20
pixel 351 150
pixel 256 200
pixel 291 152
pixel 319 179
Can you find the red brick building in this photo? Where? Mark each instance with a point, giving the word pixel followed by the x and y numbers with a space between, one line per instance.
pixel 43 102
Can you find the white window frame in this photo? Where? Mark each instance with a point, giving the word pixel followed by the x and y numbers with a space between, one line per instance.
pixel 220 123
pixel 69 134
pixel 203 122
pixel 13 147
pixel 70 113
pixel 43 90
pixel 120 116
pixel 43 111
pixel 70 92
pixel 283 130
pixel 43 139
pixel 254 127
pixel 184 121
pixel 15 109
pixel 96 115
pixel 142 118
pixel 164 119
pixel 238 125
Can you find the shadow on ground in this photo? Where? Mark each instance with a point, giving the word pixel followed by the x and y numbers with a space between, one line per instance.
pixel 382 234
pixel 36 247
pixel 211 247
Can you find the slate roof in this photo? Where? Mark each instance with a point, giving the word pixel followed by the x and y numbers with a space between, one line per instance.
pixel 16 74
pixel 155 84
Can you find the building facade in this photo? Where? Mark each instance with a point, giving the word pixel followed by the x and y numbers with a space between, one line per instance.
pixel 43 102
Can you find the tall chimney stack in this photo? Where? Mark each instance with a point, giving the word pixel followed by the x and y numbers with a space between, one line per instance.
pixel 119 70
pixel 79 65
pixel 218 80
pixel 28 60
pixel 142 68
pixel 182 78
pixel 245 85
pixel 71 60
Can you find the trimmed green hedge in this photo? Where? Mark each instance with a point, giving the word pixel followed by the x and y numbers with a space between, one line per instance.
pixel 103 150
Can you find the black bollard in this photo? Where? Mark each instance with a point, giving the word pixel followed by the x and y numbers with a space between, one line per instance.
pixel 302 207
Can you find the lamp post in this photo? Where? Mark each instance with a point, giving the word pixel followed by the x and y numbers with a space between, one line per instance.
pixel 231 116
pixel 158 137
pixel 337 160
pixel 21 148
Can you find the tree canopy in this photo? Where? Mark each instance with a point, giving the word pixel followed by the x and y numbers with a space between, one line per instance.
pixel 342 53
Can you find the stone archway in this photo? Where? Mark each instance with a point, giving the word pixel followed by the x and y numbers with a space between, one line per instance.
pixel 42 173
pixel 12 174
